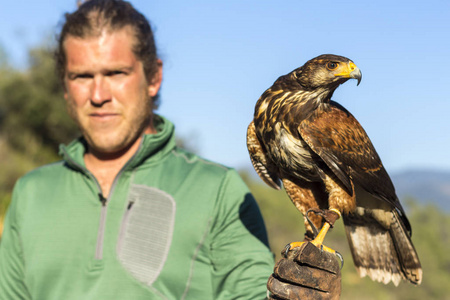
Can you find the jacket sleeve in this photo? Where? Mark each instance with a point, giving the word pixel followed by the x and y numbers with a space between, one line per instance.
pixel 240 254
pixel 12 275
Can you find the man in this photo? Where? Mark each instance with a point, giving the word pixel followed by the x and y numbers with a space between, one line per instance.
pixel 126 214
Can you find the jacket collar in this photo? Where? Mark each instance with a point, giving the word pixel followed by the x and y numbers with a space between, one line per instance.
pixel 152 148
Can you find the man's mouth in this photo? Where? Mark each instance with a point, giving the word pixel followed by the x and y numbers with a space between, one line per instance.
pixel 103 116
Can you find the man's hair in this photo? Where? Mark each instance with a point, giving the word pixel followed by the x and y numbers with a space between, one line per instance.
pixel 94 16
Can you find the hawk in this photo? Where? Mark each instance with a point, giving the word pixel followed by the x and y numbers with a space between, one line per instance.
pixel 327 164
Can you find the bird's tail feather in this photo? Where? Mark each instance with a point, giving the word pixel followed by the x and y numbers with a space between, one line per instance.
pixel 384 253
pixel 408 257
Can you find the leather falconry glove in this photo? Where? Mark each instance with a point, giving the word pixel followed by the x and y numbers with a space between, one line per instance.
pixel 306 272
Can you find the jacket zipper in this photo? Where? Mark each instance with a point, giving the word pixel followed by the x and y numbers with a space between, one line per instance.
pixel 104 201
pixel 101 228
pixel 123 226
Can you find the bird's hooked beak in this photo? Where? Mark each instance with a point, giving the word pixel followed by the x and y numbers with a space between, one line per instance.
pixel 351 71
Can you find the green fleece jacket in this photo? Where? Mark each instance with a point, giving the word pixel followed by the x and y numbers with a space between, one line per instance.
pixel 174 226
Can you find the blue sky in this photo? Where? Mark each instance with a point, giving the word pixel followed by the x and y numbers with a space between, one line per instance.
pixel 220 56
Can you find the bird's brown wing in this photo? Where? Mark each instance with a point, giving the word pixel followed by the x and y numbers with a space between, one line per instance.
pixel 378 231
pixel 262 164
pixel 341 142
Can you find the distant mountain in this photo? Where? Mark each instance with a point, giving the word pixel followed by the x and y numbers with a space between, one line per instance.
pixel 426 186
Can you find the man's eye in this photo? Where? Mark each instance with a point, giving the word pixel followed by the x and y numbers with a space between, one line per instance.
pixel 81 76
pixel 113 73
pixel 332 65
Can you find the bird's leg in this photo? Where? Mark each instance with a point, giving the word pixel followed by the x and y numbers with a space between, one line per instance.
pixel 330 217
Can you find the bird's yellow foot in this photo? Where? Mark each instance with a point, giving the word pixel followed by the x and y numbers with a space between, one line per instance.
pixel 291 246
pixel 316 242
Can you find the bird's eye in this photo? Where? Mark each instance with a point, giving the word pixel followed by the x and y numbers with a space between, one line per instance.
pixel 332 66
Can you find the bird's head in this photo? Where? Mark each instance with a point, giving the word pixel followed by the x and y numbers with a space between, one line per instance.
pixel 326 71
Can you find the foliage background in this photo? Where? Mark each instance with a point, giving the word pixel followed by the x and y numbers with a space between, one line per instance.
pixel 33 122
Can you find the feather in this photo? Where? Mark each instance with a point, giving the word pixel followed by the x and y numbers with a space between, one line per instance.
pixel 259 160
pixel 383 254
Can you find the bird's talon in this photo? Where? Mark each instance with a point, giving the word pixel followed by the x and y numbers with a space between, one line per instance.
pixel 286 250
pixel 341 258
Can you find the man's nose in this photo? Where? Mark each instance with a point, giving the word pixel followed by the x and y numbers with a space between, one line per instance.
pixel 100 91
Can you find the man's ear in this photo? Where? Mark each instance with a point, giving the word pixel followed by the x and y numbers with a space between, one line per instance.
pixel 155 83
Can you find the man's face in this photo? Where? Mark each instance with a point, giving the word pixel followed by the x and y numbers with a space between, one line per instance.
pixel 107 92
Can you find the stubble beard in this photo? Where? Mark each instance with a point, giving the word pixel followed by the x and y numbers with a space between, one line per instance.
pixel 127 137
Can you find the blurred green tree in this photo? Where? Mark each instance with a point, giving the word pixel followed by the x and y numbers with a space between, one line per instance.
pixel 32 106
